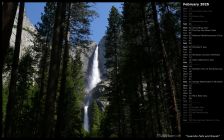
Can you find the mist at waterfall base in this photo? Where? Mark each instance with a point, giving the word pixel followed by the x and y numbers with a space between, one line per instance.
pixel 93 80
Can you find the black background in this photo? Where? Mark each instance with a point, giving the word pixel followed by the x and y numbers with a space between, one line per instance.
pixel 215 103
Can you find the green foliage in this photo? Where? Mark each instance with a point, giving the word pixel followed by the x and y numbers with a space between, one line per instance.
pixel 112 55
pixel 81 16
pixel 25 93
pixel 5 94
pixel 8 61
pixel 45 27
pixel 112 38
pixel 72 99
pixel 78 76
pixel 75 91
pixel 41 49
pixel 105 124
pixel 143 90
pixel 95 117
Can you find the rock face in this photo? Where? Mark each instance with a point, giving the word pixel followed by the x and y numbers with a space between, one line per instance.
pixel 100 94
pixel 27 37
pixel 86 57
pixel 86 54
pixel 102 60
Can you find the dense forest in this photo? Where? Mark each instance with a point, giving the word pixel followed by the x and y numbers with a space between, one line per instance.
pixel 42 92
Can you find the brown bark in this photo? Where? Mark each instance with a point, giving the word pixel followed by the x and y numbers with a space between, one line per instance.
pixel 10 113
pixel 60 126
pixel 167 67
pixel 8 16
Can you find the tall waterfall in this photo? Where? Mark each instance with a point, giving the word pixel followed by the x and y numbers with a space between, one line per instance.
pixel 94 79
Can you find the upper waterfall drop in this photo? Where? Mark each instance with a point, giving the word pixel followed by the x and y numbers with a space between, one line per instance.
pixel 94 79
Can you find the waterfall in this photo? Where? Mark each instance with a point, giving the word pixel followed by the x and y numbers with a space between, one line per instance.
pixel 86 118
pixel 94 79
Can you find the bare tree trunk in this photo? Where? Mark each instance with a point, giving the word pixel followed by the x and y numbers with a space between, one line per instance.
pixel 60 125
pixel 10 114
pixel 116 84
pixel 8 16
pixel 49 115
pixel 167 66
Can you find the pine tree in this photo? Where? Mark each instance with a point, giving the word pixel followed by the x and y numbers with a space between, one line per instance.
pixel 106 124
pixel 81 16
pixel 72 98
pixel 77 96
pixel 42 45
pixel 112 44
pixel 94 119
pixel 58 35
pixel 24 94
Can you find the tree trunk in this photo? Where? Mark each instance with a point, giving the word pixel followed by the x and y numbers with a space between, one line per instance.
pixel 49 115
pixel 8 16
pixel 167 66
pixel 43 68
pixel 12 87
pixel 60 124
pixel 116 86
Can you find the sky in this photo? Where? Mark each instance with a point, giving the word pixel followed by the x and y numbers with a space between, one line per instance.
pixel 98 25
